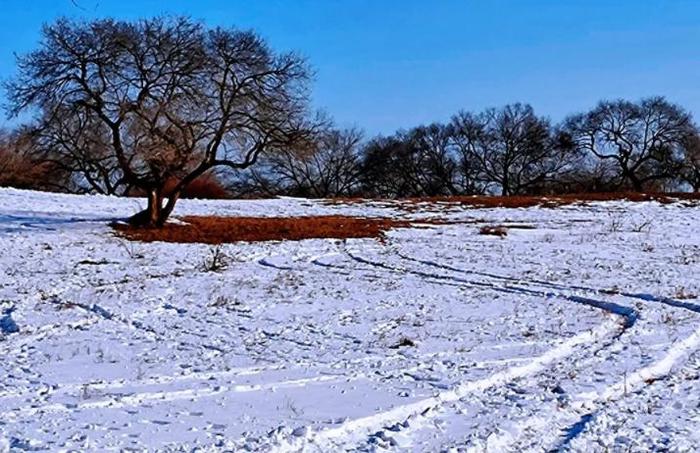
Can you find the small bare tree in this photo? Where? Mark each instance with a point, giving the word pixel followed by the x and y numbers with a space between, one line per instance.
pixel 160 100
pixel 645 140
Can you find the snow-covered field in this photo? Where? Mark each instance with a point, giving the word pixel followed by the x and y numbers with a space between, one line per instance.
pixel 580 330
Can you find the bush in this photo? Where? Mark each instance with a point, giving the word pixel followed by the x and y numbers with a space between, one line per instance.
pixel 499 231
pixel 204 187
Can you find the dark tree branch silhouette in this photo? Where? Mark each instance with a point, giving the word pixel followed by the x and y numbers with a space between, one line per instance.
pixel 329 167
pixel 510 148
pixel 690 172
pixel 645 140
pixel 147 103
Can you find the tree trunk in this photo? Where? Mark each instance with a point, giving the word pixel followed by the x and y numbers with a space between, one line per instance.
pixel 505 184
pixel 636 183
pixel 168 208
pixel 632 178
pixel 155 207
pixel 152 216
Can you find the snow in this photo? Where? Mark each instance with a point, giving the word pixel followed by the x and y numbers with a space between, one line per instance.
pixel 581 333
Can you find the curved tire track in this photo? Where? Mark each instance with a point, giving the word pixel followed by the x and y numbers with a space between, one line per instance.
pixel 644 376
pixel 401 417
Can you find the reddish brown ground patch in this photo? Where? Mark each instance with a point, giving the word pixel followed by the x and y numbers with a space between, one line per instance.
pixel 218 230
pixel 482 201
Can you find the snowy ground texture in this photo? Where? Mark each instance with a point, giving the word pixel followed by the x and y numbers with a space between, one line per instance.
pixel 578 331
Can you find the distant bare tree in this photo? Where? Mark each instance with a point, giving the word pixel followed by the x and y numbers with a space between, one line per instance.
pixel 385 172
pixel 468 133
pixel 690 173
pixel 163 99
pixel 435 160
pixel 328 167
pixel 19 166
pixel 645 140
pixel 14 163
pixel 419 162
pixel 511 148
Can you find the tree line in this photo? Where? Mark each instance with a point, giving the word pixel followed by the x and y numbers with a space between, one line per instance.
pixel 167 107
pixel 650 145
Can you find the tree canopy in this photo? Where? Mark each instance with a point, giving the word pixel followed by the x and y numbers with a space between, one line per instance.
pixel 141 104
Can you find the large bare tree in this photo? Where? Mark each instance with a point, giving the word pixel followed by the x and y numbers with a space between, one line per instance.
pixel 511 149
pixel 645 140
pixel 433 153
pixel 142 104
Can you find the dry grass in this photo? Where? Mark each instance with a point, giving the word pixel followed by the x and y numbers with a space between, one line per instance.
pixel 499 231
pixel 522 201
pixel 218 230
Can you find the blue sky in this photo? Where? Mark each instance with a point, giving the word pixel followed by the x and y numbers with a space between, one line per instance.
pixel 387 64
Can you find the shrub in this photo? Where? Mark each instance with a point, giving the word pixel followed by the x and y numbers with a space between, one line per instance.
pixel 491 230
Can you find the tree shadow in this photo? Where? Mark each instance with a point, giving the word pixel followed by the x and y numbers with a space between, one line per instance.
pixel 11 223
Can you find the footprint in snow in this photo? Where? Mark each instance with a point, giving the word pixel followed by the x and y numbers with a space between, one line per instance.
pixel 7 324
pixel 180 311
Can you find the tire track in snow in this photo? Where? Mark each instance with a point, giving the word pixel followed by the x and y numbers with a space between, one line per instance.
pixel 587 405
pixel 137 399
pixel 628 314
pixel 55 389
pixel 267 262
pixel 330 368
pixel 677 354
pixel 147 330
pixel 630 383
pixel 356 431
pixel 639 296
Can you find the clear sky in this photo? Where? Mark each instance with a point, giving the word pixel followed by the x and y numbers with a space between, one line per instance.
pixel 387 64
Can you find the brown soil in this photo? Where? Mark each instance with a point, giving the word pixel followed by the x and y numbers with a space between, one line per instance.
pixel 218 230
